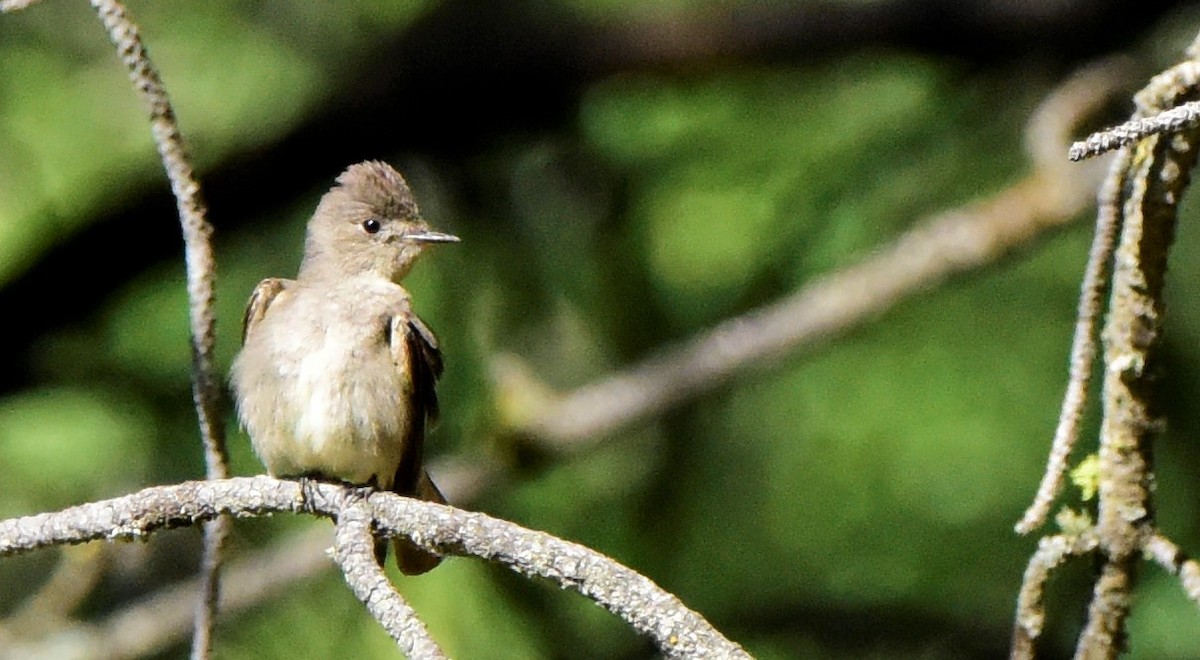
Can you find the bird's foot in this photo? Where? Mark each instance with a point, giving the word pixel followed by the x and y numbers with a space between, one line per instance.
pixel 308 493
pixel 366 490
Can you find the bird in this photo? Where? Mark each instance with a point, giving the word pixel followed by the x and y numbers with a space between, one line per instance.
pixel 337 375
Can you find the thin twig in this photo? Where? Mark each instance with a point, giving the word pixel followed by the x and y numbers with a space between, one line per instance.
pixel 1169 121
pixel 1103 637
pixel 1052 552
pixel 1053 121
pixel 354 550
pixel 201 269
pixel 1157 177
pixel 1141 197
pixel 1174 561
pixel 1083 345
pixel 155 623
pixel 1084 89
pixel 675 629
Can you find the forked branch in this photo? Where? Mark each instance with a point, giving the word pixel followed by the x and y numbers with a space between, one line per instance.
pixel 677 631
pixel 1141 197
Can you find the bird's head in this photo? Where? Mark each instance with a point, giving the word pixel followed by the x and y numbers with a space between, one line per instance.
pixel 368 222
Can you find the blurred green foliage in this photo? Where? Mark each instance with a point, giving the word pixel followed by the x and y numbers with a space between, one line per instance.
pixel 870 484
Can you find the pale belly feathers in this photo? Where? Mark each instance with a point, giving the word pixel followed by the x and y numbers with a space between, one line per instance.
pixel 331 406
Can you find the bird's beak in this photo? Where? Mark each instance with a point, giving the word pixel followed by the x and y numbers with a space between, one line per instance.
pixel 431 237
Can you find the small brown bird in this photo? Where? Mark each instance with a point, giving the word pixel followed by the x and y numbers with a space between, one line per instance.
pixel 336 377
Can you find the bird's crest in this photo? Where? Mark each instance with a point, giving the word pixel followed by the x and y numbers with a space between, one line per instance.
pixel 378 185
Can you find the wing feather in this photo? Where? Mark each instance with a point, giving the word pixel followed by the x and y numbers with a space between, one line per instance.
pixel 415 351
pixel 260 300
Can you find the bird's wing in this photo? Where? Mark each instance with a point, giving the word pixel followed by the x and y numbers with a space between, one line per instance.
pixel 422 340
pixel 264 294
pixel 415 352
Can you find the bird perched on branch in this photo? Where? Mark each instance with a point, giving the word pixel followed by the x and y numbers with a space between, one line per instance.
pixel 336 377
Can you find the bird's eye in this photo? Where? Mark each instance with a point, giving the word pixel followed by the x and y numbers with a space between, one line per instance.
pixel 371 225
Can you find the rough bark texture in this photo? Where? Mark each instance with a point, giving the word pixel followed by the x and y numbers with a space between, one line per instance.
pixel 675 629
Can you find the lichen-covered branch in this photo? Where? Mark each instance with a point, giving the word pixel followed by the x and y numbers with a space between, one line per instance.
pixel 354 550
pixel 1174 561
pixel 1168 121
pixel 1052 552
pixel 1141 196
pixel 1132 338
pixel 1083 345
pixel 675 629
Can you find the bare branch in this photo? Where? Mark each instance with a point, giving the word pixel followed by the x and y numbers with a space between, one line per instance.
pixel 205 609
pixel 1169 121
pixel 678 631
pixel 197 232
pixel 1052 552
pixel 1052 122
pixel 947 243
pixel 151 625
pixel 354 550
pixel 1158 176
pixel 1103 638
pixel 1141 195
pixel 1083 345
pixel 1170 557
pixel 201 275
pixel 1083 90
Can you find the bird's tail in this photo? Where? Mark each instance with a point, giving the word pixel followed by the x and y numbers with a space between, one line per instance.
pixel 412 559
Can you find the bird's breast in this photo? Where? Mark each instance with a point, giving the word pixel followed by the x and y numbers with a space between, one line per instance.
pixel 336 407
